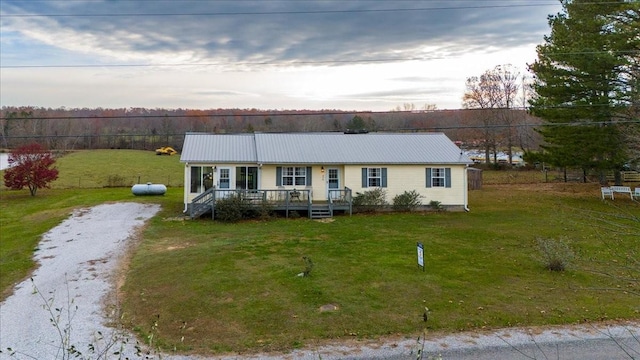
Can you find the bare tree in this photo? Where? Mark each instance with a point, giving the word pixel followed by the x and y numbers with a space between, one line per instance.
pixel 495 93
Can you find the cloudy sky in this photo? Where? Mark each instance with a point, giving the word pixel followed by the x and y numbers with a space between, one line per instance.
pixel 269 54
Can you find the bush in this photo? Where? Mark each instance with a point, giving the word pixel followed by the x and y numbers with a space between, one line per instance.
pixel 229 209
pixel 234 208
pixel 407 201
pixel 556 254
pixel 370 201
pixel 264 211
pixel 436 205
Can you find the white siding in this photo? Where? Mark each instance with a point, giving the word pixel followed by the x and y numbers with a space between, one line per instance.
pixel 401 178
pixel 188 195
pixel 318 181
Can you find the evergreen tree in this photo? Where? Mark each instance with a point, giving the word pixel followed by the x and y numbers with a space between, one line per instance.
pixel 584 83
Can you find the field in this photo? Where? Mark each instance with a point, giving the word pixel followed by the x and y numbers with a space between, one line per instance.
pixel 216 288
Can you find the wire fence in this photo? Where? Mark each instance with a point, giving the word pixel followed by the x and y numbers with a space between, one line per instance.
pixel 115 181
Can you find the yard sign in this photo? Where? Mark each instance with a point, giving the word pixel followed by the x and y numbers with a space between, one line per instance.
pixel 421 256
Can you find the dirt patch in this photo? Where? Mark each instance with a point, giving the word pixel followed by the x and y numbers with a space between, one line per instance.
pixel 178 247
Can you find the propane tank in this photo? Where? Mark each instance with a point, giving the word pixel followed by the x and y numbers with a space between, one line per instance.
pixel 148 189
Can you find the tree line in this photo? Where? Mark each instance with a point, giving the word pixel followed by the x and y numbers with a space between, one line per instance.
pixel 146 129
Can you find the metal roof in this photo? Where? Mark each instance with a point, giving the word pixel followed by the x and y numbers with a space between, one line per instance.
pixel 323 148
pixel 207 148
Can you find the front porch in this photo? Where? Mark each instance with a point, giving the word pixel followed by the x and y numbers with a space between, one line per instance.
pixel 285 200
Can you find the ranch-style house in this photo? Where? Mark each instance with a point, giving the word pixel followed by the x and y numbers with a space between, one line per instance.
pixel 320 173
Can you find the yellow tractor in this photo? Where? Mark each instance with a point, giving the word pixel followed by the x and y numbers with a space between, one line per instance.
pixel 166 150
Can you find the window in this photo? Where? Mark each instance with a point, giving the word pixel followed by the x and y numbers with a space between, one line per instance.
pixel 374 177
pixel 247 177
pixel 294 176
pixel 438 177
pixel 201 178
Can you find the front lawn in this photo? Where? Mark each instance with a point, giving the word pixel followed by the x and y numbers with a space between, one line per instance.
pixel 234 287
pixel 216 288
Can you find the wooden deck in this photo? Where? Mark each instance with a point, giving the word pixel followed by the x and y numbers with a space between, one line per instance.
pixel 284 200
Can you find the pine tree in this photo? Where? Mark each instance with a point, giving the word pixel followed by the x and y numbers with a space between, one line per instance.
pixel 583 84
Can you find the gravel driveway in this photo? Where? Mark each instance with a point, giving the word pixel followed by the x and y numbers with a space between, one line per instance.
pixel 76 274
pixel 77 261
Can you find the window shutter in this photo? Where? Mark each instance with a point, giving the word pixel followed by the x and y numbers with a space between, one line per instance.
pixel 447 177
pixel 383 181
pixel 308 175
pixel 428 177
pixel 364 177
pixel 279 176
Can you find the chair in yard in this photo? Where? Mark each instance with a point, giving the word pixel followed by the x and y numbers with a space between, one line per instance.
pixel 606 192
pixel 636 194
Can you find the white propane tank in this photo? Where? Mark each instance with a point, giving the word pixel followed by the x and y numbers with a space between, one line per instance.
pixel 148 189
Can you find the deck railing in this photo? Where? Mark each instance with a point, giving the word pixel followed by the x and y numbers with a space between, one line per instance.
pixel 340 197
pixel 275 197
pixel 282 199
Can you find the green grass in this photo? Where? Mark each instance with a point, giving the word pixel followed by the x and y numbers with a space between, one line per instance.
pixel 235 286
pixel 85 169
pixel 103 168
pixel 23 218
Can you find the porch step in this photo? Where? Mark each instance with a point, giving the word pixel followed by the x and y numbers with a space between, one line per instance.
pixel 200 210
pixel 320 213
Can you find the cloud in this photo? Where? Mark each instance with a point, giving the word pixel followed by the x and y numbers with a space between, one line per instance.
pixel 329 54
pixel 275 31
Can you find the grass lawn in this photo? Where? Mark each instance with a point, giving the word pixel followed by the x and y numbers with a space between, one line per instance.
pixel 215 287
pixel 83 180
pixel 233 287
pixel 105 168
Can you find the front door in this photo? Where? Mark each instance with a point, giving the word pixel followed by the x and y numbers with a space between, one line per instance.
pixel 333 183
pixel 224 178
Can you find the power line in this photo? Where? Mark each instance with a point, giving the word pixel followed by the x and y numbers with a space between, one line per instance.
pixel 310 62
pixel 437 128
pixel 292 113
pixel 302 12
pixel 509 4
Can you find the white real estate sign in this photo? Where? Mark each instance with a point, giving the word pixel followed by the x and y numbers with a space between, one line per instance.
pixel 421 255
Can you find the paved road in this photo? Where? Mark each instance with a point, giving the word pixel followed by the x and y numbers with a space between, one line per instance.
pixel 593 349
pixel 585 342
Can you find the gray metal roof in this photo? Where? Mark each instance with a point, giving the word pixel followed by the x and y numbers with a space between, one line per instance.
pixel 323 148
pixel 207 148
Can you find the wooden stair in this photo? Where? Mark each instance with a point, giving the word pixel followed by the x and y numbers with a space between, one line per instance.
pixel 322 212
pixel 199 210
pixel 202 204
